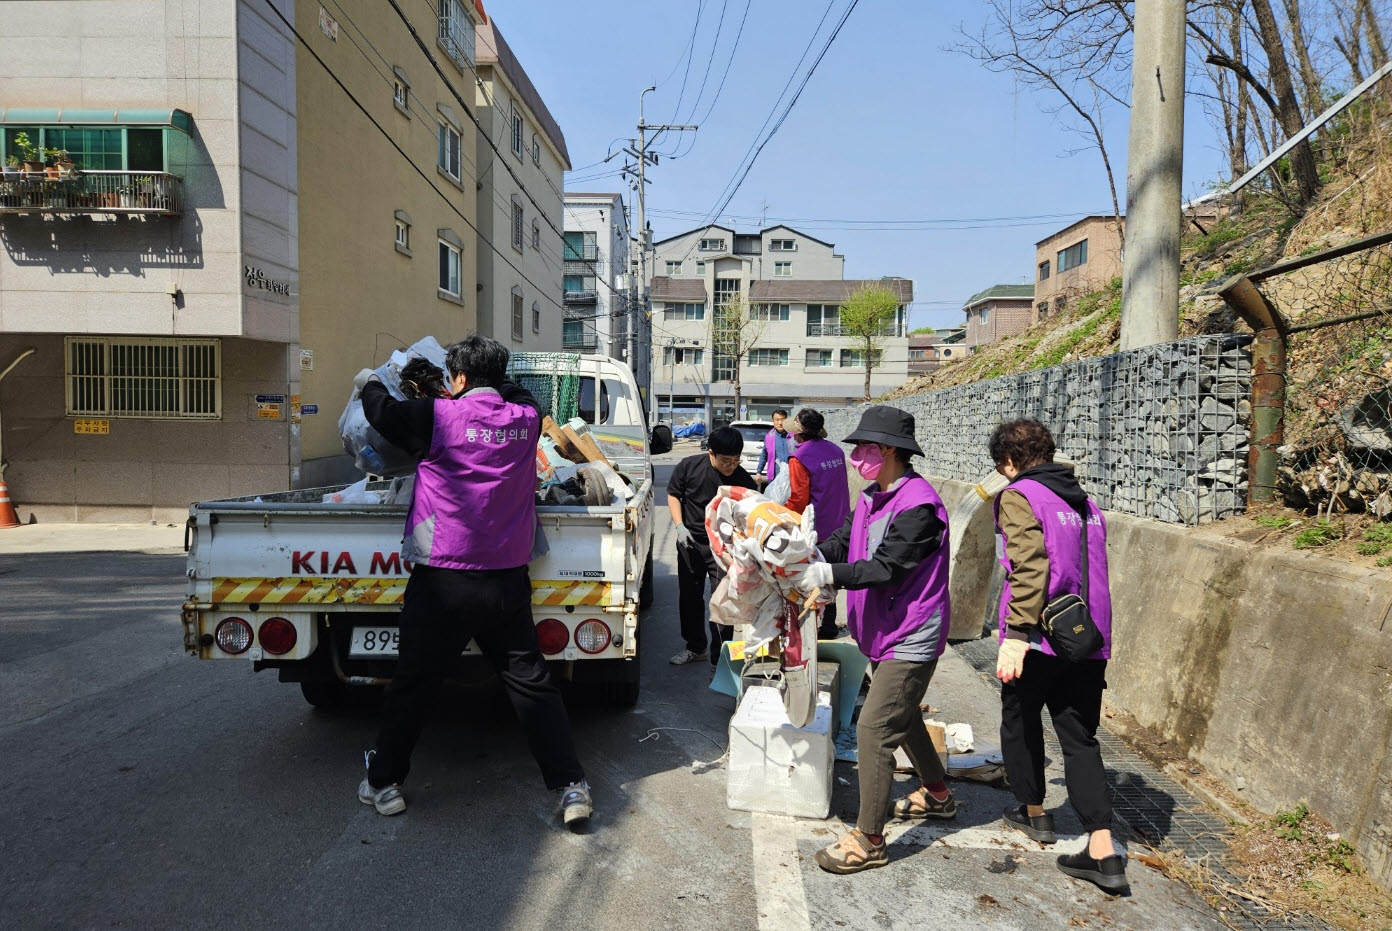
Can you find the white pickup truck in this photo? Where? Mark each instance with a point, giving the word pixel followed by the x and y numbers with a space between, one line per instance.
pixel 313 589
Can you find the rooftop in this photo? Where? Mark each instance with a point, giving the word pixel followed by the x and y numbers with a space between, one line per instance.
pixel 490 48
pixel 1107 217
pixel 1002 292
pixel 827 291
pixel 691 290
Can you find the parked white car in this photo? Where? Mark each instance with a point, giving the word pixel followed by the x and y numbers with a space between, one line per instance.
pixel 753 432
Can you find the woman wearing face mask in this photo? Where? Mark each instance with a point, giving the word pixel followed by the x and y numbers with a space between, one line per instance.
pixel 892 557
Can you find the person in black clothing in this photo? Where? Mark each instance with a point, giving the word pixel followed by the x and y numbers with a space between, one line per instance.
pixel 692 486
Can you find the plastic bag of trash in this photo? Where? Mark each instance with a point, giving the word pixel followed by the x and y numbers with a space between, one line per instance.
pixel 371 453
pixel 355 493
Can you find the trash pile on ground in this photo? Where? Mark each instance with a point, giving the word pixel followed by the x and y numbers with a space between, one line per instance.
pixel 765 549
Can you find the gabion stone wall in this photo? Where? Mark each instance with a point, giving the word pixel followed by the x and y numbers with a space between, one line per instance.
pixel 1158 432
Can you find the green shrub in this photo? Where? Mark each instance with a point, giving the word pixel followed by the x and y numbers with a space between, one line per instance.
pixel 1273 521
pixel 1379 533
pixel 1369 549
pixel 1322 533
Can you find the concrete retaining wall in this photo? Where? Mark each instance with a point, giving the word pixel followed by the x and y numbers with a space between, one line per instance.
pixel 1273 669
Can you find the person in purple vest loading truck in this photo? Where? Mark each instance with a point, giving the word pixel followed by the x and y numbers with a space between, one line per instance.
pixel 891 555
pixel 469 534
pixel 817 476
pixel 1040 518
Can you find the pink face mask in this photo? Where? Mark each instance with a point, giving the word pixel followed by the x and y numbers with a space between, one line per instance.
pixel 867 459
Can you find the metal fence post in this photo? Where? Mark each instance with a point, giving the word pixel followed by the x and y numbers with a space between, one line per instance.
pixel 1268 424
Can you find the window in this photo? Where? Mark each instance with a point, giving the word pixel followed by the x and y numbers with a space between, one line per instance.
pixel 1073 256
pixel 726 289
pixel 818 358
pixel 768 312
pixel 1044 270
pixel 536 317
pixel 1059 305
pixel 823 320
pixel 456 32
pixel 782 245
pixel 854 358
pixel 573 336
pixel 518 221
pixel 143 377
pixel 574 284
pixel 684 312
pixel 449 151
pixel 536 234
pixel 536 150
pixel 516 314
pixel 700 268
pixel 983 315
pixel 782 269
pixel 449 268
pixel 711 245
pixel 1043 309
pixel 127 148
pixel 403 235
pixel 399 94
pixel 768 357
pixel 723 367
pixel 517 130
pixel 677 355
pixel 674 268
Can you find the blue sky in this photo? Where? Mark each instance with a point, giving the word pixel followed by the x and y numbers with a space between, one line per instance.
pixel 891 127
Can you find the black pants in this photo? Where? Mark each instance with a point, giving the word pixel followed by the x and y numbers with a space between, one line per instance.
pixel 442 610
pixel 695 565
pixel 1073 694
pixel 826 630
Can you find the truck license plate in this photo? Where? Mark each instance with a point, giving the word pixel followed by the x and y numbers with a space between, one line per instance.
pixel 384 641
pixel 374 641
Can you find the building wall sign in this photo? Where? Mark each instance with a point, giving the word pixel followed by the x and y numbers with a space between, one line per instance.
pixel 257 280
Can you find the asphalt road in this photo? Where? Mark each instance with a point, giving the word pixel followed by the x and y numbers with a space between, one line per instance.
pixel 144 788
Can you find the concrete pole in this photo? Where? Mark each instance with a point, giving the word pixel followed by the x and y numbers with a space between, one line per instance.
pixel 1154 171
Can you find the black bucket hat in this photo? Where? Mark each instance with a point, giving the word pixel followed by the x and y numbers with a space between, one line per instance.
pixel 887 425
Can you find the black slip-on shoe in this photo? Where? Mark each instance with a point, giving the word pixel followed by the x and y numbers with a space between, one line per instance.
pixel 1107 874
pixel 1040 828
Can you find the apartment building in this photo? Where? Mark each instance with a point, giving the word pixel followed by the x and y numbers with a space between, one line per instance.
pixel 999 311
pixel 200 291
pixel 793 285
pixel 1080 258
pixel 597 305
pixel 522 160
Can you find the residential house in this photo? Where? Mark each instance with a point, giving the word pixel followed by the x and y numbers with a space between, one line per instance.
pixel 200 295
pixel 996 313
pixel 522 160
pixel 1080 258
pixel 794 286
pixel 597 303
pixel 929 352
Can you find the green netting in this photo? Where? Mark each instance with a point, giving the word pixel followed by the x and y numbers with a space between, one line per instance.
pixel 554 378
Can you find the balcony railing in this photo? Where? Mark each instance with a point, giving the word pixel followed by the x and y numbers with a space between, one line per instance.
pixel 823 329
pixel 581 297
pixel 121 192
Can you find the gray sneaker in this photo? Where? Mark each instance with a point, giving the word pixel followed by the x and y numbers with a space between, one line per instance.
pixel 388 800
pixel 576 804
pixel 687 656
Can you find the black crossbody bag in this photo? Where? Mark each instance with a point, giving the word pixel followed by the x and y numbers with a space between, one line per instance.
pixel 1067 623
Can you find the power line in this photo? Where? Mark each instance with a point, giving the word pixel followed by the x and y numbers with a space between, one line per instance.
pixel 721 87
pixel 884 220
pixel 385 135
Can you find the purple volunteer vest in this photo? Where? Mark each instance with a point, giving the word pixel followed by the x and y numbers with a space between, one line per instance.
pixel 1062 543
pixel 908 621
pixel 830 492
pixel 474 504
pixel 771 452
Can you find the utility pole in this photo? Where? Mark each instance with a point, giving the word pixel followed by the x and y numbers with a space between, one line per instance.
pixel 638 150
pixel 1154 171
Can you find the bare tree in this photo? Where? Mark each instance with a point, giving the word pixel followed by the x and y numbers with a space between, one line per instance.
pixel 736 327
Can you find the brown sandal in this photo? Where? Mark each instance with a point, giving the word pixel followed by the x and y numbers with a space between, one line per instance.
pixel 921 804
pixel 852 853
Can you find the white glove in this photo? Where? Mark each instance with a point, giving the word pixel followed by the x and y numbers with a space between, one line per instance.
pixel 684 535
pixel 817 575
pixel 1010 660
pixel 361 378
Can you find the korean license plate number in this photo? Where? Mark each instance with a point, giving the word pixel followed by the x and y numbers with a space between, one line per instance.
pixel 374 641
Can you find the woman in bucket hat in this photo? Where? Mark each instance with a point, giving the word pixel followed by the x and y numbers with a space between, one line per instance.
pixel 892 557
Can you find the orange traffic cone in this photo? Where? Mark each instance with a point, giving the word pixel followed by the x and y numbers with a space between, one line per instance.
pixel 8 517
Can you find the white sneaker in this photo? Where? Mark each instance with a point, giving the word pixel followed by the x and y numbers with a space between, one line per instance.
pixel 388 800
pixel 576 804
pixel 686 656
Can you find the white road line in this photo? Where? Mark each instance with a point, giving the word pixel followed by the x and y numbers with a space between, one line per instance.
pixel 779 895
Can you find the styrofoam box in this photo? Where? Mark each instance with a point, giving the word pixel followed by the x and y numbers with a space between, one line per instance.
pixel 775 767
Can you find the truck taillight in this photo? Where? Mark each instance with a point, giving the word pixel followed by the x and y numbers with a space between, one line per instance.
pixel 552 636
pixel 233 635
pixel 592 637
pixel 277 636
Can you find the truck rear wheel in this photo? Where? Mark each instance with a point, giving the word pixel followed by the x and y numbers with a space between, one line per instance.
pixel 647 588
pixel 622 693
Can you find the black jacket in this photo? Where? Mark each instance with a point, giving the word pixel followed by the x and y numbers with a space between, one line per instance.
pixel 410 425
pixel 913 536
